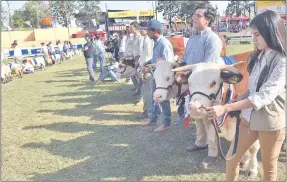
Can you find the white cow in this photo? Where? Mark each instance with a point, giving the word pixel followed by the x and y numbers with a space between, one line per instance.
pixel 6 74
pixel 37 62
pixel 124 70
pixel 69 55
pixel 207 78
pixel 16 69
pixel 78 52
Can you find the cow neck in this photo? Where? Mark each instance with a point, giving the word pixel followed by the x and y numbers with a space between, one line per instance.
pixel 224 92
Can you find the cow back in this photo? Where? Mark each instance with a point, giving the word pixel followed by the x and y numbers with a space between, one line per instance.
pixel 242 86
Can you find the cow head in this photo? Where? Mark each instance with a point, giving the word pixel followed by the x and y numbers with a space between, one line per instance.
pixel 123 70
pixel 205 82
pixel 164 80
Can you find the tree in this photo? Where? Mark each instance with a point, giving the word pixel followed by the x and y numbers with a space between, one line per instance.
pixel 187 8
pixel 88 11
pixel 30 13
pixel 169 9
pixel 4 16
pixel 17 18
pixel 236 8
pixel 57 12
pixel 178 8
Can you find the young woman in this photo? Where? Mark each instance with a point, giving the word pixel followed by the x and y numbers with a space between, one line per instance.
pixel 263 105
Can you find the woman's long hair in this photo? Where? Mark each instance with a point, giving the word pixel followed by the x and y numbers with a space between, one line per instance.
pixel 271 27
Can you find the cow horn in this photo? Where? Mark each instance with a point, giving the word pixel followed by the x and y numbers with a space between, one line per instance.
pixel 231 65
pixel 183 68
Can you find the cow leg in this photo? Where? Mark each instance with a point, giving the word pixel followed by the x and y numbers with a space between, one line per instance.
pixel 253 163
pixel 245 161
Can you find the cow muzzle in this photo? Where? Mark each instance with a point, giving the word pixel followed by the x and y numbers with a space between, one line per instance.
pixel 196 110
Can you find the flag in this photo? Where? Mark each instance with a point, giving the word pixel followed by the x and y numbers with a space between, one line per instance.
pixel 186 122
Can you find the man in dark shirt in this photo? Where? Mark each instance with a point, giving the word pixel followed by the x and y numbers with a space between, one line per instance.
pixel 89 56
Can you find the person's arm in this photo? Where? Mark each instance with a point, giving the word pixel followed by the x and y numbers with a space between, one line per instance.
pixel 186 51
pixel 167 53
pixel 86 46
pixel 136 48
pixel 213 49
pixel 241 97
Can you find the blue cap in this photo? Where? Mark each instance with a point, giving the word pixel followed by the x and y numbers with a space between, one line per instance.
pixel 98 36
pixel 87 35
pixel 152 24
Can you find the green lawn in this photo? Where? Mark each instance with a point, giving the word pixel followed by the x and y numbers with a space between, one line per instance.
pixel 239 48
pixel 57 126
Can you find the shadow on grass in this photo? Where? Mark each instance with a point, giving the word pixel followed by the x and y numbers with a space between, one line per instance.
pixel 129 152
pixel 114 147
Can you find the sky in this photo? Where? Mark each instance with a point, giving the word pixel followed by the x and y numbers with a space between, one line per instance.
pixel 127 5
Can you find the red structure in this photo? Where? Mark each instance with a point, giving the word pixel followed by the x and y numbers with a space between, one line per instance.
pixel 92 32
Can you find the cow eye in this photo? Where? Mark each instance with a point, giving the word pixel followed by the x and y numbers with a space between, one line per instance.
pixel 212 84
pixel 168 78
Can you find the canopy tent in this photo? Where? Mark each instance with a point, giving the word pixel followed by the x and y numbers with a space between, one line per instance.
pixel 226 18
pixel 242 17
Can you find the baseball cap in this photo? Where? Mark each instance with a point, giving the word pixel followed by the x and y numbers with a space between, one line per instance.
pixel 152 24
pixel 14 43
pixel 98 36
pixel 87 35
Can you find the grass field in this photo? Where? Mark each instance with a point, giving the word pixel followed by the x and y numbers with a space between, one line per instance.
pixel 57 126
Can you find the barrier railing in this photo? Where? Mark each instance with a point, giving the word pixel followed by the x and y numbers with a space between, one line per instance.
pixel 32 51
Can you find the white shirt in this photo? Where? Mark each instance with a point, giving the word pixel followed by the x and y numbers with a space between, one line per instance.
pixel 123 44
pixel 17 52
pixel 129 47
pixel 137 43
pixel 146 50
pixel 28 67
pixel 51 48
pixel 60 47
pixel 44 49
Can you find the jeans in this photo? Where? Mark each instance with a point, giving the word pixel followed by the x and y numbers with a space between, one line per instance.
pixel 89 62
pixel 110 73
pixel 62 57
pixel 165 106
pixel 146 90
pixel 102 59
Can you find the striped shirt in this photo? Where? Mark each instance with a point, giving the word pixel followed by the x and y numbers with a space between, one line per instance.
pixel 204 46
pixel 162 49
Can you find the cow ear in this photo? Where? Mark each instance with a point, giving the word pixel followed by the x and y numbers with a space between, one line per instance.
pixel 231 75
